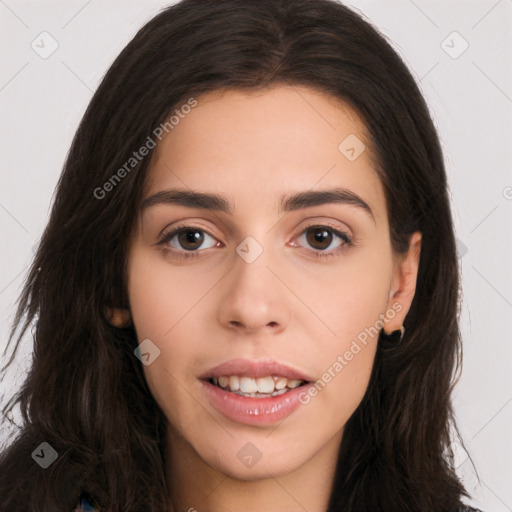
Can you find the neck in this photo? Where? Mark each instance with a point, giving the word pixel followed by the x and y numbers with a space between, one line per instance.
pixel 197 487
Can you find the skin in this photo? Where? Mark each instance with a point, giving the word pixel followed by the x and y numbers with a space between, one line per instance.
pixel 287 305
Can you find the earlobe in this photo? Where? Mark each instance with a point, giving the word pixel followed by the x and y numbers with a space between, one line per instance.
pixel 119 318
pixel 403 285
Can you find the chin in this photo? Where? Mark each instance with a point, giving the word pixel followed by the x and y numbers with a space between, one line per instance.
pixel 249 458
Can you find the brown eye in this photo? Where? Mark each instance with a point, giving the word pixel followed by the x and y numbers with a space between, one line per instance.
pixel 190 239
pixel 321 240
pixel 319 237
pixel 187 239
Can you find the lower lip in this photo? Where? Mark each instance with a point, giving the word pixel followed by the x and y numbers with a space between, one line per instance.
pixel 253 411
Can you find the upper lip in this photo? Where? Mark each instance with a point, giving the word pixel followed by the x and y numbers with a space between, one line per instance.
pixel 255 369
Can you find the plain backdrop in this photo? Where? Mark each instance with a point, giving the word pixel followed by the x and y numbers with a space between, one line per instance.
pixel 459 52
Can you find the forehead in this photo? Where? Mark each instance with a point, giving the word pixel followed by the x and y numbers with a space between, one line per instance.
pixel 256 146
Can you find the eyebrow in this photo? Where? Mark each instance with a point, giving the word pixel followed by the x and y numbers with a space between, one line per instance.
pixel 219 203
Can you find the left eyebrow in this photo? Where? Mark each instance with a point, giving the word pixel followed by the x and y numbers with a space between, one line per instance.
pixel 219 203
pixel 320 197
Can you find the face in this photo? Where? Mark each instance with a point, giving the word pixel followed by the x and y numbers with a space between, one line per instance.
pixel 278 289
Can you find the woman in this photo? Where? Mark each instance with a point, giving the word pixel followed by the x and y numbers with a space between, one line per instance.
pixel 246 295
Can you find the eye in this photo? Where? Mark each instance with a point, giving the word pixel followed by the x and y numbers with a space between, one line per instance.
pixel 321 237
pixel 185 241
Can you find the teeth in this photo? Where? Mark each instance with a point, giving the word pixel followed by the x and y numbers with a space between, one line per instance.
pixel 234 383
pixel 249 386
pixel 280 383
pixel 223 381
pixel 265 385
pixel 294 383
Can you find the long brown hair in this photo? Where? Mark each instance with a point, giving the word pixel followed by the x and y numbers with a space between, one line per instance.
pixel 85 393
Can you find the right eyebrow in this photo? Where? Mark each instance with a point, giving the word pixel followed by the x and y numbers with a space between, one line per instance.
pixel 190 199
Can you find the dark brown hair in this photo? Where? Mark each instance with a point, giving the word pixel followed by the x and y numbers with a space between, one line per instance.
pixel 85 393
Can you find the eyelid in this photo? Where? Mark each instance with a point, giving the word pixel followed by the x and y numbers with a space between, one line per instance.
pixel 345 230
pixel 191 224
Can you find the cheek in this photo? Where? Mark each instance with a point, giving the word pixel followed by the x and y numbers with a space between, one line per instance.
pixel 346 298
pixel 165 303
pixel 339 390
pixel 351 301
pixel 162 295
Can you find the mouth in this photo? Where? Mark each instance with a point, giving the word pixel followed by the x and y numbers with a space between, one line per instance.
pixel 260 387
pixel 252 392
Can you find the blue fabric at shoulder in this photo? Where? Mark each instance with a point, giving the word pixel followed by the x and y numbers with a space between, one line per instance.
pixel 86 506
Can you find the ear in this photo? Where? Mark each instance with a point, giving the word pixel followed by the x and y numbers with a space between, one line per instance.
pixel 403 284
pixel 118 317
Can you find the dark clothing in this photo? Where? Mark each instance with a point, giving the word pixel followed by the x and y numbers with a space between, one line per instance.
pixel 84 505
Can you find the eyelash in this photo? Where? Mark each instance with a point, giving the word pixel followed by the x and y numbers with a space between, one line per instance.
pixel 318 253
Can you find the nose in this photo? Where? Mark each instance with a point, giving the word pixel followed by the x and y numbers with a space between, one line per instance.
pixel 255 298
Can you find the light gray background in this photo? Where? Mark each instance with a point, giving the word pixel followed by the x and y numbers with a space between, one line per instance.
pixel 42 101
